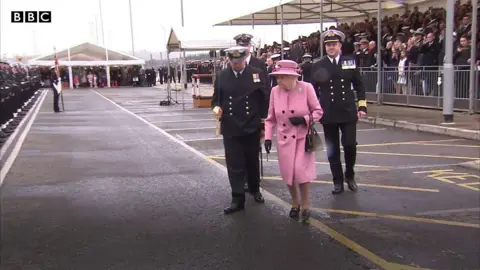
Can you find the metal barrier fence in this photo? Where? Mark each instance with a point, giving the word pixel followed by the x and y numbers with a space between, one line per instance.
pixel 421 87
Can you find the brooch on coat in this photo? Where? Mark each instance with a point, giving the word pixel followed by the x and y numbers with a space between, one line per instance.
pixel 256 78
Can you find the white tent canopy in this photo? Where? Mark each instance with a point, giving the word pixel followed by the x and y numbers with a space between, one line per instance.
pixel 195 39
pixel 308 11
pixel 87 54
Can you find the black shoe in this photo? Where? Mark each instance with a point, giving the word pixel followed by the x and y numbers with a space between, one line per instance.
pixel 294 212
pixel 234 207
pixel 338 189
pixel 305 216
pixel 352 185
pixel 258 197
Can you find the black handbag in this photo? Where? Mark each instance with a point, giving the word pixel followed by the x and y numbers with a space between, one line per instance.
pixel 313 142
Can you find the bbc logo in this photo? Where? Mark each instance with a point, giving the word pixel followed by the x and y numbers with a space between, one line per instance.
pixel 31 16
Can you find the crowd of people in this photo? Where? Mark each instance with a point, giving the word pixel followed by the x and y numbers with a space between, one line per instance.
pixel 411 44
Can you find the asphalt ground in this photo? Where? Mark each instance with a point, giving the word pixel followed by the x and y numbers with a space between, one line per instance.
pixel 99 180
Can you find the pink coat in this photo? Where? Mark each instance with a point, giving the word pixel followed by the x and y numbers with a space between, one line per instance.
pixel 296 165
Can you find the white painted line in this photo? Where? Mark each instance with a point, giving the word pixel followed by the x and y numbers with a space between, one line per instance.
pixel 220 138
pixel 204 139
pixel 266 194
pixel 369 129
pixel 180 137
pixel 184 121
pixel 183 114
pixel 13 155
pixel 186 129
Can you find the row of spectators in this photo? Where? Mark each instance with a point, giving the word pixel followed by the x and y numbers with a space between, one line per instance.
pixel 417 36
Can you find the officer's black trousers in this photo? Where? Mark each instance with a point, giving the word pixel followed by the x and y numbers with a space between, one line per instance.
pixel 56 96
pixel 349 143
pixel 3 112
pixel 241 156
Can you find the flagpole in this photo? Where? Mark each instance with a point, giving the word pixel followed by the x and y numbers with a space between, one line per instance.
pixel 183 63
pixel 131 26
pixel 107 67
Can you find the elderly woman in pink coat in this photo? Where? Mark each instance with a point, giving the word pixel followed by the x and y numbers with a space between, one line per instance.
pixel 293 106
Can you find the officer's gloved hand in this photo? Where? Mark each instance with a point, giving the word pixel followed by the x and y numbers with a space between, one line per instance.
pixel 297 121
pixel 268 146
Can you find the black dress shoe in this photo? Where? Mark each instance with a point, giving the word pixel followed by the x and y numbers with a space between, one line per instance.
pixel 338 189
pixel 351 184
pixel 234 207
pixel 258 197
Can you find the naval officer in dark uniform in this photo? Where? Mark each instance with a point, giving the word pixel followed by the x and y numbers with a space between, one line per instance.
pixel 240 101
pixel 306 67
pixel 245 40
pixel 333 77
pixel 54 79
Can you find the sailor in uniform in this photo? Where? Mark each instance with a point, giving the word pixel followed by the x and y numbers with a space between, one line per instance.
pixel 333 77
pixel 306 67
pixel 240 102
pixel 245 40
pixel 55 82
pixel 272 81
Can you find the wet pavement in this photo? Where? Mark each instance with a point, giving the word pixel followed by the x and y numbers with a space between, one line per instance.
pixel 101 187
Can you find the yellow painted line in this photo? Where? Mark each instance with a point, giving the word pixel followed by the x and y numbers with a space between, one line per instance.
pixel 417 155
pixel 277 178
pixel 451 145
pixel 469 186
pixel 323 163
pixel 406 218
pixel 347 242
pixel 411 142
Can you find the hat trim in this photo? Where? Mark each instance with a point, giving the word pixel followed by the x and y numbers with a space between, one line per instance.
pixel 327 41
pixel 284 73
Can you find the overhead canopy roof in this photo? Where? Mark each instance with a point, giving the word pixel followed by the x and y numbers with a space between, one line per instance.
pixel 195 39
pixel 87 54
pixel 308 11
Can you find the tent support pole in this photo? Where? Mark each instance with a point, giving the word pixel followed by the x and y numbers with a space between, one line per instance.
pixel 448 73
pixel 321 27
pixel 473 59
pixel 281 29
pixel 184 78
pixel 168 70
pixel 379 53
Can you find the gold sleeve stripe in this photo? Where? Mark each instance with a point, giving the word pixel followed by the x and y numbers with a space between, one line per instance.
pixel 362 103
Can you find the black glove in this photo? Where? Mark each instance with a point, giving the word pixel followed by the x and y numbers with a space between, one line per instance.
pixel 268 146
pixel 297 121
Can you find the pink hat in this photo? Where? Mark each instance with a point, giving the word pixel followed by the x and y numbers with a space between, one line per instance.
pixel 285 67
